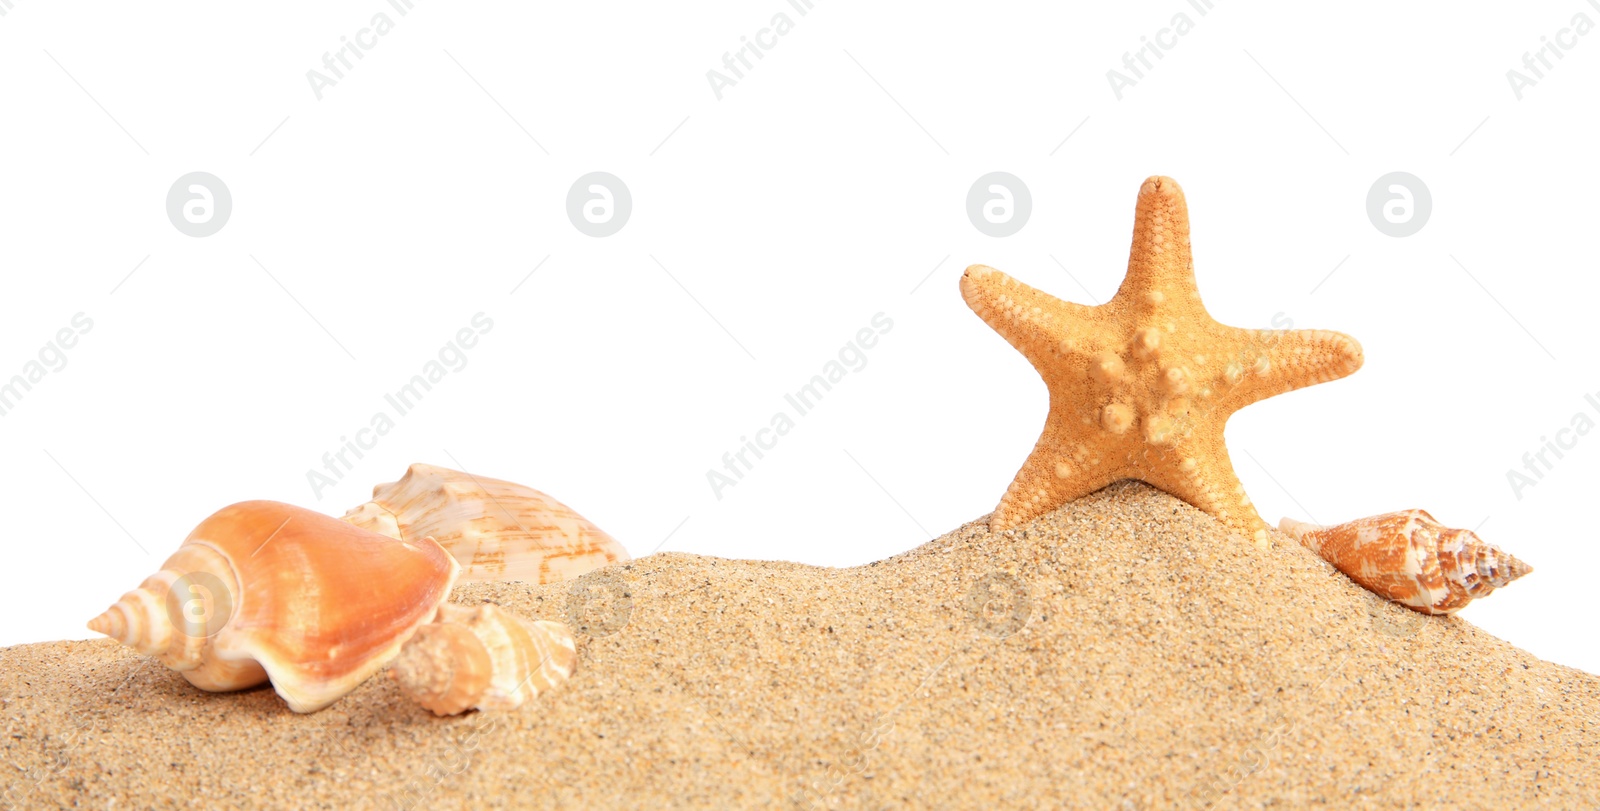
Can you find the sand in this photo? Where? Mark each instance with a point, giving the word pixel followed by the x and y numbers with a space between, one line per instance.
pixel 1123 652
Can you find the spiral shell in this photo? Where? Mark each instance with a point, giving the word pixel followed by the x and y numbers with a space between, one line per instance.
pixel 1412 559
pixel 497 530
pixel 266 591
pixel 483 658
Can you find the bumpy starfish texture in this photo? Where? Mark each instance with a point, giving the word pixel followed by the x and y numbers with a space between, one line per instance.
pixel 1141 386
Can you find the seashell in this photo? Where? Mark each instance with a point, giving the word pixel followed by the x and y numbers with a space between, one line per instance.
pixel 483 658
pixel 266 591
pixel 1412 559
pixel 497 530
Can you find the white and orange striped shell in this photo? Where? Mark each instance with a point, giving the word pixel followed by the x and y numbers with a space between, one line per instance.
pixel 1412 559
pixel 496 530
pixel 266 591
pixel 483 658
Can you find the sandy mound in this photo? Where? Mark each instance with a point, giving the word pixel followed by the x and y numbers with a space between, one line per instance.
pixel 1122 652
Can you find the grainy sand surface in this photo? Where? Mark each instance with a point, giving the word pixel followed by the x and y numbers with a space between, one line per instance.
pixel 1122 652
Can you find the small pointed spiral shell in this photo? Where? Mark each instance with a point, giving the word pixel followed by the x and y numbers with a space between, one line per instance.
pixel 496 529
pixel 1412 559
pixel 266 591
pixel 483 658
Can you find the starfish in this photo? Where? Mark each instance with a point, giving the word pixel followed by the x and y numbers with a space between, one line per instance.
pixel 1141 386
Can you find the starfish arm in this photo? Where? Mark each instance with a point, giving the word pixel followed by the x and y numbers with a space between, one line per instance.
pixel 1271 362
pixel 1033 321
pixel 1204 477
pixel 1063 466
pixel 1160 266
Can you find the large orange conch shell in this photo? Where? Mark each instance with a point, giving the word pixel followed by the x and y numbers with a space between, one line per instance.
pixel 1412 559
pixel 497 530
pixel 266 591
pixel 483 658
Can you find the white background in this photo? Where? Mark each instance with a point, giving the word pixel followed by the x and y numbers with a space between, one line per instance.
pixel 823 188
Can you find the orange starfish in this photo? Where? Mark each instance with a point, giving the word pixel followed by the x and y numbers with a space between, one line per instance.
pixel 1141 386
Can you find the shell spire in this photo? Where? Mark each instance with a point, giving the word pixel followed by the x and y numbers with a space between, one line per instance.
pixel 1412 559
pixel 483 658
pixel 498 530
pixel 137 620
pixel 266 591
